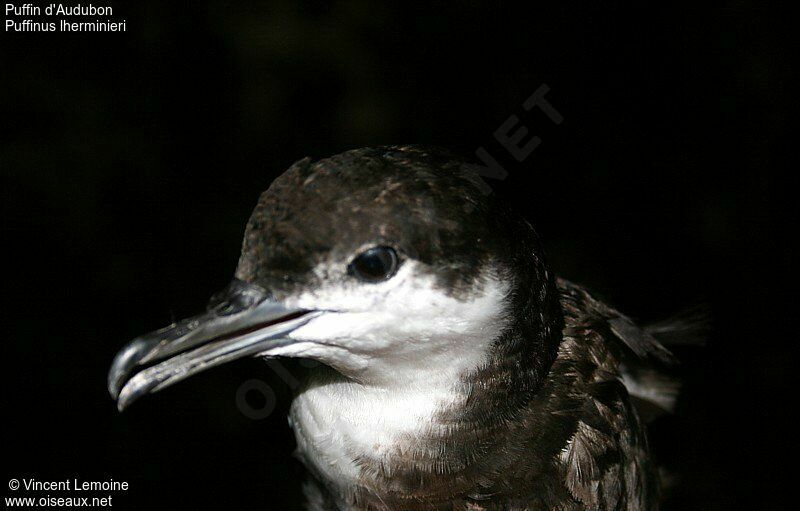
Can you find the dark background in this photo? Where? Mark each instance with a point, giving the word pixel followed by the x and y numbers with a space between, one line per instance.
pixel 130 163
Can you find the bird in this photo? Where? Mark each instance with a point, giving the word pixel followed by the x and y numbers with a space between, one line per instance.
pixel 457 370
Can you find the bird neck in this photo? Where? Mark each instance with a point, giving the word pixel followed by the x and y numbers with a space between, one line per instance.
pixel 376 441
pixel 343 425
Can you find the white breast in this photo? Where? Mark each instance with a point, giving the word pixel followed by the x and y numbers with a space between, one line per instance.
pixel 337 421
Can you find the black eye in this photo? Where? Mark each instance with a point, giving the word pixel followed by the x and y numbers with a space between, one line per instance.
pixel 375 264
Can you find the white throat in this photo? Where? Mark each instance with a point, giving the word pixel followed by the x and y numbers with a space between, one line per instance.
pixel 400 351
pixel 338 421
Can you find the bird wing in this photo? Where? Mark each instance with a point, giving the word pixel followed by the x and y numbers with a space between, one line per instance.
pixel 646 367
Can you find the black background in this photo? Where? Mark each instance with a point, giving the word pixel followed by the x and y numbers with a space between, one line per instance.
pixel 130 163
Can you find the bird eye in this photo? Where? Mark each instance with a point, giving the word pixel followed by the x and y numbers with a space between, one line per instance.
pixel 374 264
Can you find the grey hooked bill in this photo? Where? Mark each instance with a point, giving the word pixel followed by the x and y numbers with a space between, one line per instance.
pixel 241 321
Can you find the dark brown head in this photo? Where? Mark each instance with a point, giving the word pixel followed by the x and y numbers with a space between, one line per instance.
pixel 387 264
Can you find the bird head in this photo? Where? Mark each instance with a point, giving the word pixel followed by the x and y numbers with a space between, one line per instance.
pixel 390 265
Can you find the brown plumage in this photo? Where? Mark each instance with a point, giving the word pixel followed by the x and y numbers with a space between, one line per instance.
pixel 542 418
pixel 575 443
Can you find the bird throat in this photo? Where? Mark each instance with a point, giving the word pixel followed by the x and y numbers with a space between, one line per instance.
pixel 425 440
pixel 350 435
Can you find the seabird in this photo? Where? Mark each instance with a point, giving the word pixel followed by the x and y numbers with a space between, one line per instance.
pixel 458 372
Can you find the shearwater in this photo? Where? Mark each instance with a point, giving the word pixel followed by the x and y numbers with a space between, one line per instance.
pixel 459 373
